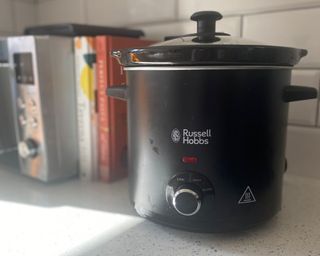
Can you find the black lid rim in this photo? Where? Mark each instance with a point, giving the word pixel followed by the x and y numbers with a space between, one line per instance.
pixel 265 55
pixel 168 47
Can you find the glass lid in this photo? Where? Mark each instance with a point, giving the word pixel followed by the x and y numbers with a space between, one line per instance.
pixel 208 47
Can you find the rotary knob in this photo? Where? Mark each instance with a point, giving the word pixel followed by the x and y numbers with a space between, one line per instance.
pixel 28 148
pixel 21 103
pixel 187 200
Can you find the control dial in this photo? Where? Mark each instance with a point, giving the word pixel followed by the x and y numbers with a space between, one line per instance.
pixel 187 200
pixel 21 103
pixel 28 148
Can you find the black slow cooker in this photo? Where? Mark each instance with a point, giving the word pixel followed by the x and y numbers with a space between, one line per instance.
pixel 207 127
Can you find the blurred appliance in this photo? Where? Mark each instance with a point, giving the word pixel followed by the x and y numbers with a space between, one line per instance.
pixel 7 134
pixel 3 50
pixel 44 94
pixel 8 143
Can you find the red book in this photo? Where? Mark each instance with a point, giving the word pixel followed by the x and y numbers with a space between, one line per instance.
pixel 112 116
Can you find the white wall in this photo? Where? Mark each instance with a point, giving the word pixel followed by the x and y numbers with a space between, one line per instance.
pixel 280 22
pixel 15 15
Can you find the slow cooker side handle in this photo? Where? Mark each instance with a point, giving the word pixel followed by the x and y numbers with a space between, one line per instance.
pixel 118 92
pixel 297 93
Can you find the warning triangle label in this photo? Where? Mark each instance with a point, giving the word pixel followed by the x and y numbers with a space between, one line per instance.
pixel 247 197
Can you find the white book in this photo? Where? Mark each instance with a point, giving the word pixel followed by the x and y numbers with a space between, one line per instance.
pixel 85 62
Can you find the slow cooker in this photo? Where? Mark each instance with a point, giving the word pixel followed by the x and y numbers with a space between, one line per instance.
pixel 207 127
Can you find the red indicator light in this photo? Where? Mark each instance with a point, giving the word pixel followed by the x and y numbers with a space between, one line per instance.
pixel 190 160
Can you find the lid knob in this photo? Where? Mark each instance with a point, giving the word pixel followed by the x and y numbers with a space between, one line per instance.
pixel 206 25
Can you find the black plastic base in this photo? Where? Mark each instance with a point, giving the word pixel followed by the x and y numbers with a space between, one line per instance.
pixel 206 227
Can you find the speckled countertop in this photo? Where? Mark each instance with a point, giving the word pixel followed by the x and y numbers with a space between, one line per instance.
pixel 81 218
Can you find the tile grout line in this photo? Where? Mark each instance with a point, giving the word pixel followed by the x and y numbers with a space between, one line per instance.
pixel 318 105
pixel 317 68
pixel 5 32
pixel 176 11
pixel 283 9
pixel 23 1
pixel 13 17
pixel 241 15
pixel 315 125
pixel 266 11
pixel 38 1
pixel 230 15
pixel 85 11
pixel 241 25
pixel 156 23
pixel 36 16
pixel 303 126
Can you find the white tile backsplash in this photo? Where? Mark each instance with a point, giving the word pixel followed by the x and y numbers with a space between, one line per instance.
pixel 6 13
pixel 303 151
pixel 4 33
pixel 158 31
pixel 27 1
pixel 236 7
pixel 230 25
pixel 24 15
pixel 304 112
pixel 60 11
pixel 298 28
pixel 127 12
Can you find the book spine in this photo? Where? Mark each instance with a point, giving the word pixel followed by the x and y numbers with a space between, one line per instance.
pixel 94 118
pixel 84 74
pixel 118 121
pixel 103 118
pixel 117 110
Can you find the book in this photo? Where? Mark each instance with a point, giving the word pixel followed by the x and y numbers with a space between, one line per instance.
pixel 112 113
pixel 73 30
pixel 85 65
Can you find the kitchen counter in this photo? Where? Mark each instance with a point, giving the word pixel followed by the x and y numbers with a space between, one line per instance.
pixel 91 218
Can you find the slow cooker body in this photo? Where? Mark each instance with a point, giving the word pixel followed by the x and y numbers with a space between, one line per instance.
pixel 207 127
pixel 207 145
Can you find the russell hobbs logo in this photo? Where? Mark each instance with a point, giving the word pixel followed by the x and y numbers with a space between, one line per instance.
pixel 175 135
pixel 191 137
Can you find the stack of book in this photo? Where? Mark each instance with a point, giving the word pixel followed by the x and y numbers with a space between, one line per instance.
pixel 102 121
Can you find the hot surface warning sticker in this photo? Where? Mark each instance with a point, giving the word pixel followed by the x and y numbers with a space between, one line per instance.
pixel 247 197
